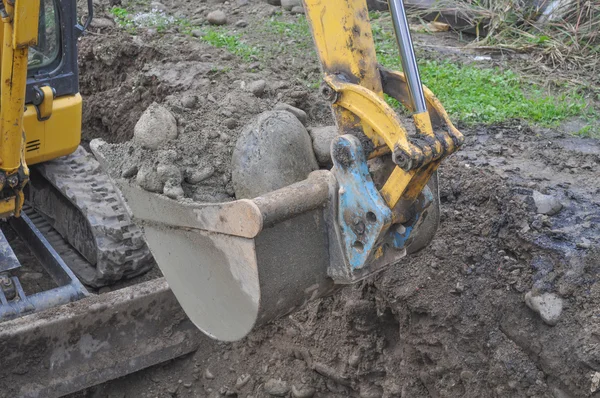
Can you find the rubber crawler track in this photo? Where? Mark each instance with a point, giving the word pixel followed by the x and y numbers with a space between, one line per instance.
pixel 113 246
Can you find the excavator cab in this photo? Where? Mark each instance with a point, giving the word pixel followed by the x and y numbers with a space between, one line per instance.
pixel 52 120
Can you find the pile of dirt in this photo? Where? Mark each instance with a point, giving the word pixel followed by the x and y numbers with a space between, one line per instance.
pixel 450 321
pixel 208 95
pixel 520 217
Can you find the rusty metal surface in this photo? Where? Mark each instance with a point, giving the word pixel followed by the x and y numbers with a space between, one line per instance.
pixel 74 346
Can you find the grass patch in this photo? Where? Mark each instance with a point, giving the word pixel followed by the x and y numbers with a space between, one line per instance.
pixel 231 42
pixel 485 95
pixel 298 31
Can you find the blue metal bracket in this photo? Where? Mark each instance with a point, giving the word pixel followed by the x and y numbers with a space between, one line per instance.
pixel 363 215
pixel 402 233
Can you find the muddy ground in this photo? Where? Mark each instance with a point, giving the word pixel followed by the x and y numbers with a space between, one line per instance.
pixel 450 321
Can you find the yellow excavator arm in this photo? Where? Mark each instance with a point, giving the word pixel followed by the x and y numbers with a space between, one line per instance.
pixel 19 31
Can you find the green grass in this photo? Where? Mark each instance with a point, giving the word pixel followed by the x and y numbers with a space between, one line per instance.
pixel 231 42
pixel 299 31
pixel 485 95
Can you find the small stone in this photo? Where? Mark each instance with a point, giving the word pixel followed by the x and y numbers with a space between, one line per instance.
pixel 289 4
pixel 197 176
pixel 242 381
pixel 130 171
pixel 208 375
pixel 155 127
pixel 102 23
pixel 321 139
pixel 189 101
pixel 584 244
pixel 546 204
pixel 302 391
pixel 254 66
pixel 242 3
pixel 276 387
pixel 299 113
pixel 370 391
pixel 147 178
pixel 274 2
pixel 155 5
pixel 355 358
pixel 297 10
pixel 466 375
pixel 197 33
pixel 241 23
pixel 217 17
pixel 173 190
pixel 231 123
pixel 595 382
pixel 187 385
pixel 169 172
pixel 257 88
pixel 548 305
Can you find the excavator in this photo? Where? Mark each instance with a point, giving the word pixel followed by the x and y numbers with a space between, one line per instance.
pixel 228 267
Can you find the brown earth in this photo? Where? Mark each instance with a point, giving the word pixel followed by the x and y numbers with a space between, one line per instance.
pixel 450 321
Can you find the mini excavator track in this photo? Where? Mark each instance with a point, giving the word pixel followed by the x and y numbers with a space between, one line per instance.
pixel 79 201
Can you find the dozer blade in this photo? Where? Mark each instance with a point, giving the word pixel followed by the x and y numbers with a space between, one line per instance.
pixel 99 338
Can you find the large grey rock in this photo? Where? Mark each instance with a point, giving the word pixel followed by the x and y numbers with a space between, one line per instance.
pixel 299 113
pixel 546 204
pixel 272 152
pixel 155 127
pixel 289 4
pixel 321 139
pixel 548 305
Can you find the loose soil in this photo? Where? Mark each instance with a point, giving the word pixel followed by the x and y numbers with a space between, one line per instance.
pixel 450 321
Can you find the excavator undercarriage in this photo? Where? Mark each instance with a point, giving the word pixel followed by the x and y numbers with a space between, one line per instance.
pixel 228 267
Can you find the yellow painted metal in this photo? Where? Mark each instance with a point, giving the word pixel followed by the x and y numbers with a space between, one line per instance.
pixel 20 26
pixel 44 109
pixel 384 122
pixel 12 206
pixel 371 109
pixel 58 136
pixel 344 43
pixel 26 19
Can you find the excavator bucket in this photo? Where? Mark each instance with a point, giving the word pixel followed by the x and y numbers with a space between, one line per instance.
pixel 236 265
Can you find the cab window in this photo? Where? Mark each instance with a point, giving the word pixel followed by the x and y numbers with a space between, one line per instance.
pixel 47 49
